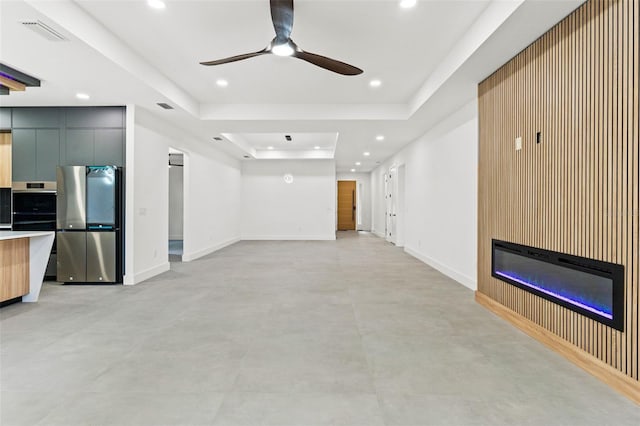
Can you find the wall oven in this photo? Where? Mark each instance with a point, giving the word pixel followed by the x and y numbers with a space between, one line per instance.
pixel 34 209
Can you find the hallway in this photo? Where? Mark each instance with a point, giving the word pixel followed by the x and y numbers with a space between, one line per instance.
pixel 346 332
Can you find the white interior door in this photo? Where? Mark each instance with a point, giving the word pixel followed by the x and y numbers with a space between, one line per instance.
pixel 391 205
pixel 400 206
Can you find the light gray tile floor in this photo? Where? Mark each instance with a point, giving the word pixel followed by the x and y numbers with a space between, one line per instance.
pixel 351 332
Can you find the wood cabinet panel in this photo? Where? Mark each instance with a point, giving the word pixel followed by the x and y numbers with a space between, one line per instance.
pixel 14 268
pixel 5 160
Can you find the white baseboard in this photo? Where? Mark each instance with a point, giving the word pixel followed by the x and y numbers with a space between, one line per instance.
pixel 378 233
pixel 146 274
pixel 328 237
pixel 188 257
pixel 463 279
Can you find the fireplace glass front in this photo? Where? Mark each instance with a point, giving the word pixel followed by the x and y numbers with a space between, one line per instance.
pixel 587 286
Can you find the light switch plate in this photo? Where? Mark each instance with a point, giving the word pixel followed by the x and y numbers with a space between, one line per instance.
pixel 518 143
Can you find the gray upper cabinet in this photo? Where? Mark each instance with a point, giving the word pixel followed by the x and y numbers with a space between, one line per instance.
pixel 47 154
pixel 95 117
pixel 5 118
pixel 79 147
pixel 23 153
pixel 109 147
pixel 44 138
pixel 37 118
pixel 35 154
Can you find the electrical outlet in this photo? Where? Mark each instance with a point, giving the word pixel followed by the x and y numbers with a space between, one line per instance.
pixel 518 143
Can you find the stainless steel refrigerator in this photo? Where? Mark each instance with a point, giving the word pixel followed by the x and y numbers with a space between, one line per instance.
pixel 89 224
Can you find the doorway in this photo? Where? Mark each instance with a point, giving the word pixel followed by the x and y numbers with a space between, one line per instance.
pixel 347 205
pixel 176 205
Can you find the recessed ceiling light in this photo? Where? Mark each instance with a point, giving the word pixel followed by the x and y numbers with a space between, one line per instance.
pixel 406 4
pixel 156 4
pixel 366 154
pixel 316 147
pixel 380 138
pixel 358 163
pixel 222 83
pixel 375 83
pixel 269 147
pixel 353 170
pixel 82 96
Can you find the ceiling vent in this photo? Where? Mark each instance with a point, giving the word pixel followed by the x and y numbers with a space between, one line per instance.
pixel 43 29
pixel 164 105
pixel 176 160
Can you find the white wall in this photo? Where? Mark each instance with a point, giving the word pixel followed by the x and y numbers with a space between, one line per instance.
pixel 440 196
pixel 362 180
pixel 211 203
pixel 149 228
pixel 176 202
pixel 275 210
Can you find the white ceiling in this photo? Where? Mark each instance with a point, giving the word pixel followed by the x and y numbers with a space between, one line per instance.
pixel 429 59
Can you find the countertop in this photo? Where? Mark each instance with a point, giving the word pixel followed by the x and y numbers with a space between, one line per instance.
pixel 11 235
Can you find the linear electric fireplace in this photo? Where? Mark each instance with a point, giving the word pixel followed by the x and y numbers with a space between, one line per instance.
pixel 590 287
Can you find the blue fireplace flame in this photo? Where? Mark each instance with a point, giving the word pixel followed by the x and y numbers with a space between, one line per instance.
pixel 605 311
pixel 588 291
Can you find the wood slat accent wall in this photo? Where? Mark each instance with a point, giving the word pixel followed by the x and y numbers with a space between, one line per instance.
pixel 578 191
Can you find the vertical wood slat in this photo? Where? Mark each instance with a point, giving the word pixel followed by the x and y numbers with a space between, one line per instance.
pixel 578 191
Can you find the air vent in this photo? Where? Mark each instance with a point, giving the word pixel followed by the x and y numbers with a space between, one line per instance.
pixel 43 29
pixel 164 105
pixel 176 160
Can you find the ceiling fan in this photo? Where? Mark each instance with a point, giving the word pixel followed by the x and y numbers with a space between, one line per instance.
pixel 282 45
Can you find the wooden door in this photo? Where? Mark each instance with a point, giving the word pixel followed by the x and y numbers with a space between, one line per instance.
pixel 346 205
pixel 5 159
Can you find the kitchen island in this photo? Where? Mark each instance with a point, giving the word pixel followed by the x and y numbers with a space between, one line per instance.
pixel 23 261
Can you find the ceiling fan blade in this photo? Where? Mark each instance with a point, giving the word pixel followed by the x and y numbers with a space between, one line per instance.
pixel 282 17
pixel 236 58
pixel 327 63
